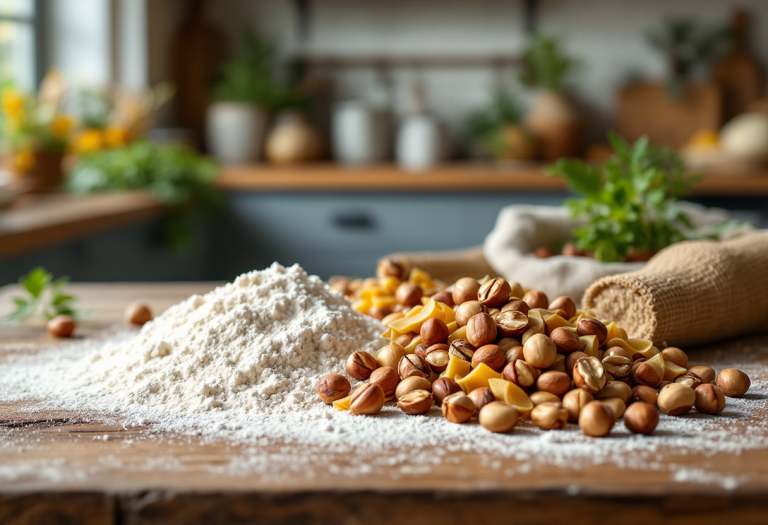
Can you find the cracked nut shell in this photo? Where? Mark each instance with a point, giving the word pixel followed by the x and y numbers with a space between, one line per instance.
pixel 706 373
pixel 511 323
pixel 462 350
pixel 361 364
pixel 444 387
pixel 520 373
pixel 415 402
pixel 411 384
pixel 367 400
pixel 589 375
pixel 494 292
pixel 458 408
pixel 437 357
pixel 710 399
pixel 412 365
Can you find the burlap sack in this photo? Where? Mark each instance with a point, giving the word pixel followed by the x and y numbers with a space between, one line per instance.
pixel 691 293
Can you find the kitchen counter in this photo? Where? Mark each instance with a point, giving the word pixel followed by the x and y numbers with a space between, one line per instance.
pixel 466 177
pixel 61 466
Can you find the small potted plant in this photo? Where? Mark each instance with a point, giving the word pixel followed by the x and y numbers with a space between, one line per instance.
pixel 552 117
pixel 243 97
pixel 495 130
pixel 36 134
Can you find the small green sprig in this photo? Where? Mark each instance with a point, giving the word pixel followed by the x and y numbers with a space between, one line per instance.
pixel 46 297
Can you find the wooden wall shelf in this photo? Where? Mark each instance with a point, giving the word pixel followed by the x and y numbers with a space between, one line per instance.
pixel 448 178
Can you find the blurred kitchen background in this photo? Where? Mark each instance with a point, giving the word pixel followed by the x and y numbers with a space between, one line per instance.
pixel 344 130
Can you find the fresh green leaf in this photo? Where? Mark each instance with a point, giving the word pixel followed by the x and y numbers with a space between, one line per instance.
pixel 45 297
pixel 36 281
pixel 544 64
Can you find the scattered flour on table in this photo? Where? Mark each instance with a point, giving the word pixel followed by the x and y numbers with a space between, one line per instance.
pixel 259 344
pixel 240 364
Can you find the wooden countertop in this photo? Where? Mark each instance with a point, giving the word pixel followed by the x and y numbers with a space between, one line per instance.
pixel 57 467
pixel 38 221
pixel 466 177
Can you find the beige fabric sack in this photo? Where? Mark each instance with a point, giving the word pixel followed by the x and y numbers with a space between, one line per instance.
pixel 520 229
pixel 691 293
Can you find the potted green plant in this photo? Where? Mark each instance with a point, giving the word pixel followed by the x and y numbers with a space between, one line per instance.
pixel 495 130
pixel 243 97
pixel 552 118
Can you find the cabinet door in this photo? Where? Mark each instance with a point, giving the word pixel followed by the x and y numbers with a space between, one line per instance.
pixel 346 234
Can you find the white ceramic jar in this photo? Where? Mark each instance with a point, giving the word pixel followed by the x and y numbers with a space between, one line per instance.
pixel 360 133
pixel 419 142
pixel 235 132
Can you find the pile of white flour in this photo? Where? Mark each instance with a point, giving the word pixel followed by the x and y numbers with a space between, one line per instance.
pixel 259 344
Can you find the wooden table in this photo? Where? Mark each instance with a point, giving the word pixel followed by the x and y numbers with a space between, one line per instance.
pixel 39 221
pixel 67 473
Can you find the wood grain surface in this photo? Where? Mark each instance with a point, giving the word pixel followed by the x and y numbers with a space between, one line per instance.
pixel 59 466
pixel 448 178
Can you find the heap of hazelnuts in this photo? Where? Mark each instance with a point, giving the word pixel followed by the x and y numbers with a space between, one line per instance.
pixel 491 349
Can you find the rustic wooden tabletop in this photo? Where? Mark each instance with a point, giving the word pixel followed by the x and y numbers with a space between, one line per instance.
pixel 65 467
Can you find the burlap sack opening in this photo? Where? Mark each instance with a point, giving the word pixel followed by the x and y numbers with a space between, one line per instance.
pixel 691 293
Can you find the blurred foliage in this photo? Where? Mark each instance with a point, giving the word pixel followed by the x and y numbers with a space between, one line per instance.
pixel 176 175
pixel 629 202
pixel 483 126
pixel 249 77
pixel 45 296
pixel 545 65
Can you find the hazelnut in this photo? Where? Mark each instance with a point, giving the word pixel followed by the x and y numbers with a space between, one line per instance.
pixel 390 355
pixel 498 417
pixel 420 350
pixel 536 299
pixel 444 297
pixel 481 396
pixel 332 387
pixel 617 351
pixel 644 394
pixel 574 401
pixel 549 416
pixel 379 312
pixel 596 419
pixel 511 323
pixel 589 375
pixel 434 331
pixel 516 305
pixel 467 311
pixel 402 308
pixel 644 373
pixel 592 327
pixel 676 356
pixel 368 400
pixel 710 399
pixel 462 350
pixel 565 304
pixel 706 373
pixel 339 284
pixel 733 382
pixel 689 379
pixel 494 292
pixel 520 373
pixel 458 408
pixel 557 383
pixel 616 389
pixel 409 294
pixel 386 377
pixel 513 353
pixel 492 355
pixel 403 339
pixel 437 357
pixel 61 326
pixel 361 364
pixel 641 418
pixel 411 384
pixel 540 397
pixel 481 330
pixel 138 314
pixel 415 402
pixel 617 366
pixel 566 339
pixel 676 399
pixel 444 387
pixel 539 351
pixel 412 365
pixel 616 405
pixel 465 289
pixel 390 268
pixel 570 361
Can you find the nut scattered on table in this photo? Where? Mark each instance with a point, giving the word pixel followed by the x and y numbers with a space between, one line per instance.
pixel 415 402
pixel 458 408
pixel 386 377
pixel 641 418
pixel 498 417
pixel 676 399
pixel 138 314
pixel 511 323
pixel 596 419
pixel 412 383
pixel 710 399
pixel 733 382
pixel 61 326
pixel 332 387
pixel 549 416
pixel 368 400
pixel 361 364
pixel 706 373
pixel 644 394
pixel 520 373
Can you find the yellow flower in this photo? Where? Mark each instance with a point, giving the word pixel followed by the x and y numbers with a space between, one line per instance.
pixel 89 140
pixel 115 136
pixel 23 161
pixel 13 104
pixel 61 126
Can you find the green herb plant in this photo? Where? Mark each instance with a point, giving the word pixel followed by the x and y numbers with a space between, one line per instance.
pixel 45 296
pixel 484 125
pixel 545 65
pixel 249 77
pixel 629 203
pixel 179 177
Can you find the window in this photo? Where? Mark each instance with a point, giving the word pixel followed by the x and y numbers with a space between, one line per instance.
pixel 19 46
